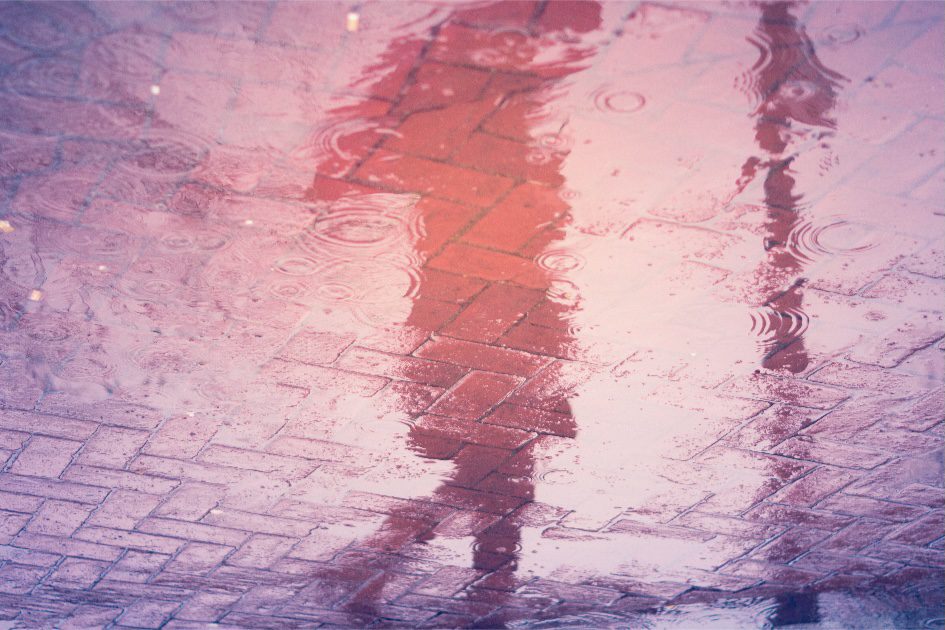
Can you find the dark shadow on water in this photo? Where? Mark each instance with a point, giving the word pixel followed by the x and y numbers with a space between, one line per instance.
pixel 795 608
pixel 795 91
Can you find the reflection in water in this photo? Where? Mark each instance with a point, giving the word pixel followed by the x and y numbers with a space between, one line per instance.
pixel 488 364
pixel 495 542
pixel 796 94
pixel 587 320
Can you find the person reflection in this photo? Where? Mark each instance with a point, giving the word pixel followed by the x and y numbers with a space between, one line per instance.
pixel 487 483
pixel 797 95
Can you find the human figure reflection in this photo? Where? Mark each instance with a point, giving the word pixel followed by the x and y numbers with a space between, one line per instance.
pixel 797 95
pixel 522 63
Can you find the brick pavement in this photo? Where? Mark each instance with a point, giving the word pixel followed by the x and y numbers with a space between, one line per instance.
pixel 477 315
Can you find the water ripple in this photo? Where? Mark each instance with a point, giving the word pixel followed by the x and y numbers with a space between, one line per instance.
pixel 809 241
pixel 327 144
pixel 775 326
pixel 365 281
pixel 560 261
pixel 365 225
pixel 616 101
pixel 195 240
pixel 41 75
pixel 156 277
pixel 165 153
pixel 296 266
pixel 841 34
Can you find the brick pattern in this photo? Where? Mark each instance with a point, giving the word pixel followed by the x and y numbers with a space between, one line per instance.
pixel 185 440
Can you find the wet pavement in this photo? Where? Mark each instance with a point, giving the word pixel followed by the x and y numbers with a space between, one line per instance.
pixel 565 314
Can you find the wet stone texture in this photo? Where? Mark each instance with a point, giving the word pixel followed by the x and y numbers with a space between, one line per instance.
pixel 471 315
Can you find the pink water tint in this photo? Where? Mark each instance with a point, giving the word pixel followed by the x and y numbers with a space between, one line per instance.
pixel 517 314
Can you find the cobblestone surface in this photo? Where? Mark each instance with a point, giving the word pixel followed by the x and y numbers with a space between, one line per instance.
pixel 471 315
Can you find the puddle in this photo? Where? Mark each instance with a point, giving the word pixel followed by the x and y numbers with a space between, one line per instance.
pixel 519 315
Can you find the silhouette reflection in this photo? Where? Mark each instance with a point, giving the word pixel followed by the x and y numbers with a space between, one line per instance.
pixel 797 93
pixel 527 60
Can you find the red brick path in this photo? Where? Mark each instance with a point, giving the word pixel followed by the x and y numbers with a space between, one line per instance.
pixel 476 315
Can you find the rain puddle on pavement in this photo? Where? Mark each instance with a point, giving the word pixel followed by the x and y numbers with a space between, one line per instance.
pixel 564 314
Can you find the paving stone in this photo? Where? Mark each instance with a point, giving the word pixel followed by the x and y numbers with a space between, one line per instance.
pixel 193 531
pixel 493 312
pixel 921 532
pixel 11 524
pixel 257 522
pixel 181 436
pixel 845 565
pixel 432 134
pixel 435 315
pixel 66 546
pixel 138 566
pixel 864 377
pixel 53 426
pixel 112 446
pixel 789 545
pixel 261 551
pixel 199 558
pixel 20 579
pixel 481 357
pixel 45 457
pixel 492 154
pixel 476 394
pixel 190 502
pixel 406 368
pixel 129 539
pixel 206 607
pixel 864 506
pixel 438 85
pixel 58 518
pixel 772 388
pixel 472 432
pixel 86 616
pixel 820 483
pixel 315 347
pixel 147 614
pixel 804 447
pixel 253 460
pixel 119 479
pixel 20 502
pixel 77 573
pixel 404 172
pixel 52 489
pixel 525 418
